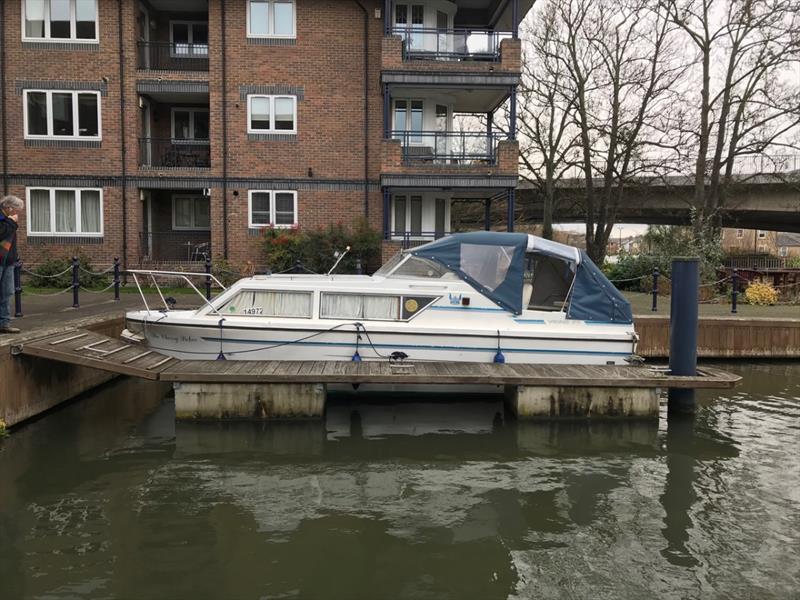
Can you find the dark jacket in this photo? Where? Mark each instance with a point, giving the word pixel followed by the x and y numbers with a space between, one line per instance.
pixel 8 242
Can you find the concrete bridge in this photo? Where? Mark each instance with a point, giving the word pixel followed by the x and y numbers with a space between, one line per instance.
pixel 762 200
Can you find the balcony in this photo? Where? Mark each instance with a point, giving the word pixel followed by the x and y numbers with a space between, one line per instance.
pixel 174 154
pixel 169 56
pixel 450 44
pixel 448 147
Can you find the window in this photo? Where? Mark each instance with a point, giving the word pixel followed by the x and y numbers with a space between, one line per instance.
pixel 62 114
pixel 357 306
pixel 268 303
pixel 271 18
pixel 192 213
pixel 783 251
pixel 272 209
pixel 59 20
pixel 739 234
pixel 762 234
pixel 190 124
pixel 420 216
pixel 188 38
pixel 65 212
pixel 272 114
pixel 408 120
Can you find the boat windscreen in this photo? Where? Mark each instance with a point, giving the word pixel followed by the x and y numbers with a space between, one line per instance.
pixel 412 267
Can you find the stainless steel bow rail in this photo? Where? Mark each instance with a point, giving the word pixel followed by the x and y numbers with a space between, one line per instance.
pixel 186 277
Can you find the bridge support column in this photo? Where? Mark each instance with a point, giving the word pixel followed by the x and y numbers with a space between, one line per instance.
pixel 529 402
pixel 256 401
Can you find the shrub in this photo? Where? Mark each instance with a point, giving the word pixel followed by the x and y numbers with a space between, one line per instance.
pixel 315 249
pixel 3 429
pixel 630 266
pixel 51 274
pixel 761 294
pixel 793 262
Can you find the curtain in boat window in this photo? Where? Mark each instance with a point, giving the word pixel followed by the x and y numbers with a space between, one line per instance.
pixel 487 265
pixel 269 304
pixel 353 306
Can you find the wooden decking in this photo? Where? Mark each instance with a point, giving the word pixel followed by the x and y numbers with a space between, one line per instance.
pixel 90 349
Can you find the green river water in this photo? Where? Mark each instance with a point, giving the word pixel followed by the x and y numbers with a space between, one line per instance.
pixel 109 498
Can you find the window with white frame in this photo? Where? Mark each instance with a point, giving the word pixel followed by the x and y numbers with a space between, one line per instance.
pixel 65 212
pixel 59 20
pixel 191 213
pixel 783 251
pixel 762 234
pixel 61 114
pixel 188 38
pixel 190 124
pixel 739 234
pixel 420 217
pixel 271 114
pixel 271 18
pixel 268 208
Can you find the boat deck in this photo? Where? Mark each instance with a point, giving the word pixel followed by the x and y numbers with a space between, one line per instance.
pixel 90 349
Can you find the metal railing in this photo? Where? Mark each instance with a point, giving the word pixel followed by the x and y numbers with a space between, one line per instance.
pixel 756 262
pixel 168 56
pixel 154 275
pixel 411 239
pixel 176 246
pixel 420 43
pixel 179 154
pixel 449 147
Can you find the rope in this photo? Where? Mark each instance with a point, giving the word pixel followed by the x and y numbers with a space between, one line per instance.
pixel 105 289
pixel 28 293
pixel 629 279
pixel 723 280
pixel 64 272
pixel 94 272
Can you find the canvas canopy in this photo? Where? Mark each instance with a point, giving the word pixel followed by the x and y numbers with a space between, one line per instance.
pixel 494 264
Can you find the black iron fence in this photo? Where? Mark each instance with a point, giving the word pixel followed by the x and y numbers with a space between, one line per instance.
pixel 449 147
pixel 421 43
pixel 186 154
pixel 168 56
pixel 175 246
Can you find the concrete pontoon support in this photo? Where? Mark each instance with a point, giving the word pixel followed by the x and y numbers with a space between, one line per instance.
pixel 256 401
pixel 529 402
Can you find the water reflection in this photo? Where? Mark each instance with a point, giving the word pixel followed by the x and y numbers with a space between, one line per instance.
pixel 110 498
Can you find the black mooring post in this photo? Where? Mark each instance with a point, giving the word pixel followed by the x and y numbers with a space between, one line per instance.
pixel 734 290
pixel 208 278
pixel 683 329
pixel 18 288
pixel 655 289
pixel 76 282
pixel 116 279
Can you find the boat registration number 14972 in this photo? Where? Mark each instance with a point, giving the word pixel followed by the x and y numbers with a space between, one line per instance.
pixel 256 310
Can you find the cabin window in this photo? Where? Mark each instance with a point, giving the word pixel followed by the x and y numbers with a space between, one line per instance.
pixel 548 282
pixel 487 265
pixel 266 303
pixel 356 306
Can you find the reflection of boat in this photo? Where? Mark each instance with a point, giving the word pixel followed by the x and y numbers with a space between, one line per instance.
pixel 474 297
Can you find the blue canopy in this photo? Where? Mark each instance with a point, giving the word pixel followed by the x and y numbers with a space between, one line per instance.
pixel 494 264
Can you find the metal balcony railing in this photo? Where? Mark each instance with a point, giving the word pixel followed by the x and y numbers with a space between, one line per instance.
pixel 421 43
pixel 181 154
pixel 168 56
pixel 411 239
pixel 448 147
pixel 175 246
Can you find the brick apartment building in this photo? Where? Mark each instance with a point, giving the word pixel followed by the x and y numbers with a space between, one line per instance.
pixel 163 130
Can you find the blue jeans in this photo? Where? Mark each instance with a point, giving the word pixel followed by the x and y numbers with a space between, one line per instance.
pixel 6 294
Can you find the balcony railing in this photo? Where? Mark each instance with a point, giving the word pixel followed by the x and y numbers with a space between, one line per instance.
pixel 448 147
pixel 175 246
pixel 450 44
pixel 180 154
pixel 412 239
pixel 168 56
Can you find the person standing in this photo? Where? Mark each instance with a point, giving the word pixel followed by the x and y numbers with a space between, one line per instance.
pixel 10 207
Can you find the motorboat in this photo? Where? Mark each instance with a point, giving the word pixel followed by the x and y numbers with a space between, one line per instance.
pixel 479 297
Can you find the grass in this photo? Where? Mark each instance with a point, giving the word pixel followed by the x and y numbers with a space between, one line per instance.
pixel 642 304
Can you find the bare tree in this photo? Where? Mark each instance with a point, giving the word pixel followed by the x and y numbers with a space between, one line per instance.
pixel 547 97
pixel 748 53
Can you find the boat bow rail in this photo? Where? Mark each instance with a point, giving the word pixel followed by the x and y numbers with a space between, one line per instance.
pixel 154 275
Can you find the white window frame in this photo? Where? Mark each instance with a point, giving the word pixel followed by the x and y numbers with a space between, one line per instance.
pixel 272 214
pixel 73 25
pixel 271 22
pixel 762 234
pixel 783 251
pixel 192 139
pixel 53 232
pixel 739 234
pixel 192 54
pixel 272 99
pixel 49 105
pixel 194 197
pixel 427 200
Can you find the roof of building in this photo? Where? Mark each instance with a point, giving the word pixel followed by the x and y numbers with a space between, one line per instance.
pixel 788 239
